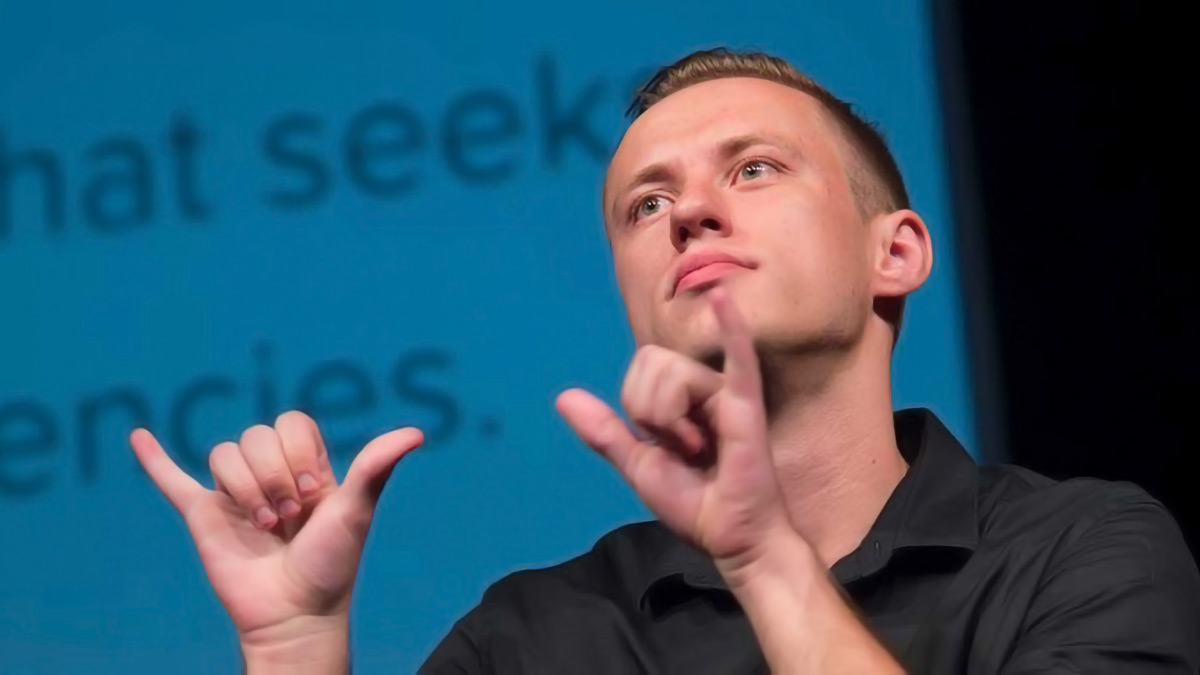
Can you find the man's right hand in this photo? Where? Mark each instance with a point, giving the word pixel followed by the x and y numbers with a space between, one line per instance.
pixel 278 537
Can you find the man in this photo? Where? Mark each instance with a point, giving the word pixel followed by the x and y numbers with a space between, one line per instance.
pixel 764 246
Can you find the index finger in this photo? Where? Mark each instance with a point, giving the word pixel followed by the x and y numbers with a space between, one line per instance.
pixel 179 488
pixel 741 363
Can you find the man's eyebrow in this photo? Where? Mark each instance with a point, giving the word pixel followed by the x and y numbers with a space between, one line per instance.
pixel 726 149
pixel 736 145
pixel 651 174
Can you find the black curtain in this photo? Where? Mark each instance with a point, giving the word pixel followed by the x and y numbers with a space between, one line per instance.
pixel 1070 140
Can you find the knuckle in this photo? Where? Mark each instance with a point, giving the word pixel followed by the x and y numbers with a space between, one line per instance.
pixel 675 377
pixel 245 493
pixel 251 502
pixel 629 389
pixel 277 488
pixel 680 426
pixel 635 407
pixel 669 366
pixel 627 400
pixel 257 434
pixel 651 354
pixel 645 358
pixel 221 454
pixel 273 479
pixel 663 417
pixel 301 459
pixel 300 447
pixel 295 419
pixel 642 417
pixel 654 350
pixel 300 439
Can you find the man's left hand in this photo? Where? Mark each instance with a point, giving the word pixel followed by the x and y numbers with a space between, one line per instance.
pixel 703 465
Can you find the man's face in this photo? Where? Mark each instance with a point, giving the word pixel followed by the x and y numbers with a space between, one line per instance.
pixel 750 169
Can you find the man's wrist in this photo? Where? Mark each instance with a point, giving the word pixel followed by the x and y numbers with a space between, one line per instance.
pixel 305 646
pixel 783 557
pixel 799 615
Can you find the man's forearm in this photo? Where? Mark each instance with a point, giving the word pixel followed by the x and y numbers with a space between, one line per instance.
pixel 800 618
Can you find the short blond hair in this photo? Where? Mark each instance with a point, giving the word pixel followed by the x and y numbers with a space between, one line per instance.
pixel 874 177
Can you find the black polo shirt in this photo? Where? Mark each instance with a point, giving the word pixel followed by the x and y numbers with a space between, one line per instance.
pixel 968 569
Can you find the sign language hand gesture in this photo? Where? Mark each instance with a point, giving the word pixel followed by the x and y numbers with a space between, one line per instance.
pixel 279 539
pixel 729 506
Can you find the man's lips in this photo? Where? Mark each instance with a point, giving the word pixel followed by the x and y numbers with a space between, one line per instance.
pixel 704 275
pixel 702 268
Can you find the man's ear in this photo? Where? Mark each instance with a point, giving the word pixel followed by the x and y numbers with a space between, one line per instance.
pixel 901 252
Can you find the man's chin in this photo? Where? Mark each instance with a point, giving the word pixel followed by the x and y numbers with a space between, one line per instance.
pixel 713 357
pixel 707 351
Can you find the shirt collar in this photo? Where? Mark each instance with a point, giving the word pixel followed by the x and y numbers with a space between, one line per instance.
pixel 933 507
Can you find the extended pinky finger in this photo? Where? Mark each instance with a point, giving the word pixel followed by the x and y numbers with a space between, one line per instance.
pixel 598 426
pixel 179 488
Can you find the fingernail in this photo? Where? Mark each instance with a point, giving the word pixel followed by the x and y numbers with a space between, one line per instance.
pixel 306 483
pixel 265 516
pixel 288 508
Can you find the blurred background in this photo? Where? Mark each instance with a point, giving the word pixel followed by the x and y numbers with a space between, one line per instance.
pixel 387 214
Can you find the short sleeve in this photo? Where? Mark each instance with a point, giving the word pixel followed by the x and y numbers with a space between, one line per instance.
pixel 1123 598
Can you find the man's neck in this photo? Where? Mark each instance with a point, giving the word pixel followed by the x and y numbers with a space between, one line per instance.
pixel 834 446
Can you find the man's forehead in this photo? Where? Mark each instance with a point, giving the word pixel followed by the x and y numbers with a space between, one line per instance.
pixel 700 118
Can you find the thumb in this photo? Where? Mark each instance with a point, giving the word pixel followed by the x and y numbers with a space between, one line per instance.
pixel 370 470
pixel 600 427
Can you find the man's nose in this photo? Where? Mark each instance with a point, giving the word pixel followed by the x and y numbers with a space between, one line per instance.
pixel 697 213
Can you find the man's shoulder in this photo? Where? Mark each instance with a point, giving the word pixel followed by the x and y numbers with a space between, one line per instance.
pixel 1015 502
pixel 611 570
pixel 1008 484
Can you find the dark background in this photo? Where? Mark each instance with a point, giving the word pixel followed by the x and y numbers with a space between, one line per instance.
pixel 1070 157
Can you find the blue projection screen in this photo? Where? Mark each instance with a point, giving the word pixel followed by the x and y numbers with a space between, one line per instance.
pixel 384 214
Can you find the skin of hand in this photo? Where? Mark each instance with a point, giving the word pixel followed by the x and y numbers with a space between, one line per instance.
pixel 279 538
pixel 704 465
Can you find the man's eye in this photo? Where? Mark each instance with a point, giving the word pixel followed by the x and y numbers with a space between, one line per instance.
pixel 647 207
pixel 753 169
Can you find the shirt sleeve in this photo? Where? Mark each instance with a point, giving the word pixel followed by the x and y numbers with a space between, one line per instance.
pixel 458 653
pixel 1122 598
